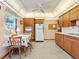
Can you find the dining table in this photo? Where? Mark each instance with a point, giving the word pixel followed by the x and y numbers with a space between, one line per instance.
pixel 23 40
pixel 5 45
pixel 23 35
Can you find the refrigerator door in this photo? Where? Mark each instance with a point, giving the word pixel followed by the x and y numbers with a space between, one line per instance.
pixel 39 32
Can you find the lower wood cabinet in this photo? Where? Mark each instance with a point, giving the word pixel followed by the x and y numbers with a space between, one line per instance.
pixel 75 48
pixel 69 43
pixel 59 39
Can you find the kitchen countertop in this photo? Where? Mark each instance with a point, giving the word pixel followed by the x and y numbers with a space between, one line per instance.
pixel 69 34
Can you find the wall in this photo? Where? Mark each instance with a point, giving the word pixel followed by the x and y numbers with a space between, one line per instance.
pixel 73 29
pixel 3 31
pixel 20 24
pixel 2 10
pixel 49 34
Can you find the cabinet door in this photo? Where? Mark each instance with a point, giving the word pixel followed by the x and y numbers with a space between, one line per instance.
pixel 57 38
pixel 61 40
pixel 67 44
pixel 29 22
pixel 39 21
pixel 66 20
pixel 78 11
pixel 75 48
pixel 74 14
pixel 61 21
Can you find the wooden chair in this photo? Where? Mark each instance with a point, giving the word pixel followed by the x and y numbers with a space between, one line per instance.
pixel 30 46
pixel 15 43
pixel 27 44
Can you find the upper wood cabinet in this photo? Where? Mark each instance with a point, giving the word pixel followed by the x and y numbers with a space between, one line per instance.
pixel 60 22
pixel 66 20
pixel 69 18
pixel 39 21
pixel 74 14
pixel 29 22
pixel 78 11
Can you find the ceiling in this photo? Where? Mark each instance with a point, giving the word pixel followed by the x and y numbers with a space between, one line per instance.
pixel 40 8
pixel 36 5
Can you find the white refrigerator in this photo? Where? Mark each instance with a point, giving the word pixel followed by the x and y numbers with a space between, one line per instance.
pixel 39 32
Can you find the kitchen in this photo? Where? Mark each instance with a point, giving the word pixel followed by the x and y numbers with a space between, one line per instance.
pixel 43 30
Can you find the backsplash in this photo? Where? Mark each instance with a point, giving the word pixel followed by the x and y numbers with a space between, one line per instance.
pixel 74 29
pixel 77 23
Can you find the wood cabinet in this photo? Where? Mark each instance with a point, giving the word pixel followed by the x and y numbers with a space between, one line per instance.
pixel 60 22
pixel 78 11
pixel 69 18
pixel 39 21
pixel 59 39
pixel 74 14
pixel 75 48
pixel 69 43
pixel 29 22
pixel 66 20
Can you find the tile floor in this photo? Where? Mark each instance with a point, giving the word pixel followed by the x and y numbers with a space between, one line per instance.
pixel 45 50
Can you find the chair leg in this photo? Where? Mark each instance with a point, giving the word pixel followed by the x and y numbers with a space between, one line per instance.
pixel 19 53
pixel 30 47
pixel 25 50
pixel 10 53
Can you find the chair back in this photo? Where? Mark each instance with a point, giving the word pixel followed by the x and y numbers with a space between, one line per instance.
pixel 24 41
pixel 15 41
